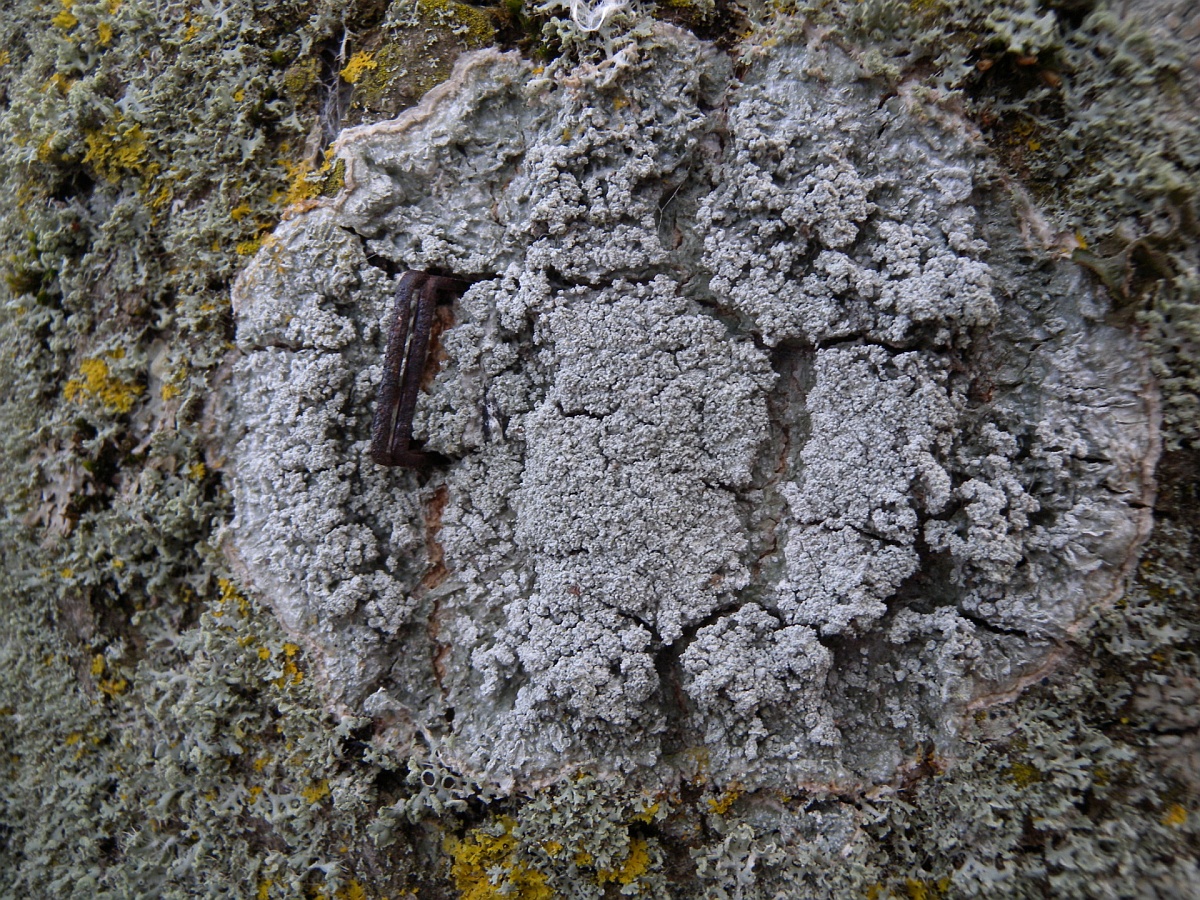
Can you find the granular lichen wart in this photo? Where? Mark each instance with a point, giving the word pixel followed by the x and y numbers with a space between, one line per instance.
pixel 762 433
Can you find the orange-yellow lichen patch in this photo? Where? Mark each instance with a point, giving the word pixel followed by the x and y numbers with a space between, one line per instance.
pixel 65 19
pixel 919 889
pixel 482 854
pixel 1175 816
pixel 97 382
pixel 636 864
pixel 118 149
pixel 111 687
pixel 721 805
pixel 360 63
pixel 1023 774
pixel 647 815
pixel 291 674
pixel 229 592
pixel 316 792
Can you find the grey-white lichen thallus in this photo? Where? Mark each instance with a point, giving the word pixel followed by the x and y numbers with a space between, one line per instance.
pixel 765 431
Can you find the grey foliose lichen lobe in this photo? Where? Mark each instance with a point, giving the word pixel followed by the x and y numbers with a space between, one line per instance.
pixel 333 570
pixel 765 430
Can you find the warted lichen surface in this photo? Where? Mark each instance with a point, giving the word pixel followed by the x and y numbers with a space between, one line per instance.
pixel 768 432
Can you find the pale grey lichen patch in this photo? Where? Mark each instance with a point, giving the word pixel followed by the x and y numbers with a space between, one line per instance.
pixel 868 472
pixel 843 240
pixel 759 683
pixel 764 432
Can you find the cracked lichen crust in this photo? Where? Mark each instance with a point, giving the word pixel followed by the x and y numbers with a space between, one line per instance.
pixel 767 439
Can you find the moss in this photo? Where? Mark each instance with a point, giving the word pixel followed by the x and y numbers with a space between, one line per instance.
pixel 335 179
pixel 301 78
pixel 474 25
pixel 411 53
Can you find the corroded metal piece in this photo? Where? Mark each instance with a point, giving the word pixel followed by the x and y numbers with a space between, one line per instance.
pixel 403 367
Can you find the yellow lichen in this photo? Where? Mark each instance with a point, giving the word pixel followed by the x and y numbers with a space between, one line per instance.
pixel 264 889
pixel 264 653
pixel 113 686
pixel 647 815
pixel 118 149
pixel 97 382
pixel 316 792
pixel 229 592
pixel 360 63
pixel 1175 816
pixel 240 212
pixel 97 665
pixel 62 83
pixel 918 889
pixel 291 673
pixel 1023 774
pixel 721 805
pixel 303 183
pixel 196 471
pixel 482 853
pixel 65 19
pixel 636 864
pixel 104 34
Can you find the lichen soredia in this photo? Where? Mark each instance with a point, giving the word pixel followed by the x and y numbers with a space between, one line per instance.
pixel 766 432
